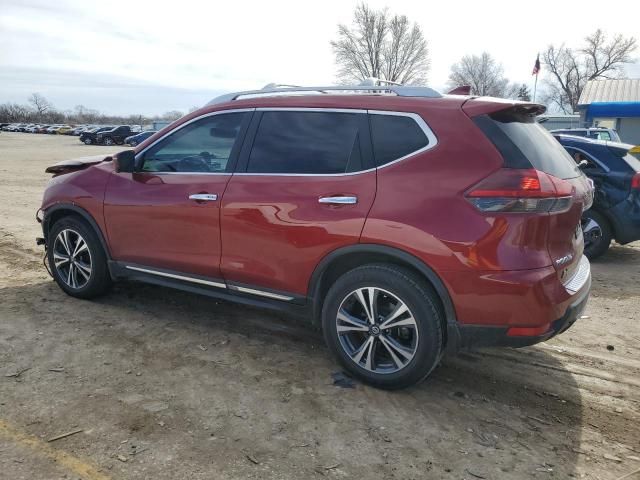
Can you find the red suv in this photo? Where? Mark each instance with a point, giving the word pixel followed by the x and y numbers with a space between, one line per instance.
pixel 404 222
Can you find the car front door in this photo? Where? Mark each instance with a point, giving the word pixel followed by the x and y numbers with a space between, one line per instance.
pixel 165 217
pixel 304 185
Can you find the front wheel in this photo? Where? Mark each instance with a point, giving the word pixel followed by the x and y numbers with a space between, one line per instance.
pixel 597 234
pixel 383 325
pixel 76 258
pixel 87 141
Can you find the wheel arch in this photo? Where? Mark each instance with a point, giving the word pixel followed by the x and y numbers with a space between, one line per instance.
pixel 61 210
pixel 344 259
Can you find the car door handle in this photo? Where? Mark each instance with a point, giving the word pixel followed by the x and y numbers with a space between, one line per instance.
pixel 204 197
pixel 339 200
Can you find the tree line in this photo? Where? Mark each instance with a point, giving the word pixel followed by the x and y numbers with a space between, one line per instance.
pixel 40 110
pixel 391 48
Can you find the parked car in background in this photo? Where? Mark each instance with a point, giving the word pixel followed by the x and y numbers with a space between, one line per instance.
pixel 65 130
pixel 595 133
pixel 138 138
pixel 88 137
pixel 615 170
pixel 115 136
pixel 404 222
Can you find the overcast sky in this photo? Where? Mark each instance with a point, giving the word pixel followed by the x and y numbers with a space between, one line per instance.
pixel 141 56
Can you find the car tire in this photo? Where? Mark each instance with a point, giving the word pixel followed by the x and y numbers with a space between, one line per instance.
pixel 77 260
pixel 87 141
pixel 108 141
pixel 397 356
pixel 132 143
pixel 597 233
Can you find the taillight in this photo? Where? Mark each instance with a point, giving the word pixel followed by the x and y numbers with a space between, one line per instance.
pixel 635 181
pixel 513 190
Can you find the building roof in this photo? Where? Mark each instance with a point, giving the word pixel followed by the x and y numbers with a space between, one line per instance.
pixel 625 90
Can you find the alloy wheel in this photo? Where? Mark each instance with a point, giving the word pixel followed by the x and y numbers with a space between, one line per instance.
pixel 72 258
pixel 377 330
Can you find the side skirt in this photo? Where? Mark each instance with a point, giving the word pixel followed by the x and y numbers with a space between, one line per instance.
pixel 213 287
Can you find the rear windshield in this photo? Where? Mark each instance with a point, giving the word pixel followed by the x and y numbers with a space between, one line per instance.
pixel 524 143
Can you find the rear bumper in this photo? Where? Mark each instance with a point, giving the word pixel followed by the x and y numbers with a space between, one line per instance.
pixel 467 337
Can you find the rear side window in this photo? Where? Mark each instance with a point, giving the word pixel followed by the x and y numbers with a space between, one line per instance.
pixel 524 143
pixel 306 143
pixel 395 136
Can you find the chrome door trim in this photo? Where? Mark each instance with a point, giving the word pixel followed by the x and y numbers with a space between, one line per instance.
pixel 204 197
pixel 261 293
pixel 339 200
pixel 212 283
pixel 177 277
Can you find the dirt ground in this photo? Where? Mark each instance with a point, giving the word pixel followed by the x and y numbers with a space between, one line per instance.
pixel 169 385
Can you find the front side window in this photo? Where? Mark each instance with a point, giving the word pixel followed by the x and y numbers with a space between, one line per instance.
pixel 306 143
pixel 579 157
pixel 395 136
pixel 204 146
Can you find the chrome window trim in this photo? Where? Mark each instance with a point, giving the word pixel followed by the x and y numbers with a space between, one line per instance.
pixel 311 109
pixel 432 140
pixel 594 159
pixel 172 131
pixel 177 277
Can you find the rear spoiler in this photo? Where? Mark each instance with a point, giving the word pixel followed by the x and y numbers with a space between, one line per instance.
pixel 487 105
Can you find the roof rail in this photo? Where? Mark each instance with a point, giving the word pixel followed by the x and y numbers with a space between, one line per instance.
pixel 275 89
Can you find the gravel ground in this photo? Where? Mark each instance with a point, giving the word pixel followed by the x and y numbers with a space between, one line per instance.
pixel 169 385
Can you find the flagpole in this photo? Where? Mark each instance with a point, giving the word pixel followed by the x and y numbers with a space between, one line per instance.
pixel 535 87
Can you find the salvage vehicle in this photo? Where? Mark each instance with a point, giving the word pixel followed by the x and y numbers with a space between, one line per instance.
pixel 615 170
pixel 595 133
pixel 403 222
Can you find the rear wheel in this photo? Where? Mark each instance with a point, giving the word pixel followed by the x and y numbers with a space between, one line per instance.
pixel 382 324
pixel 108 141
pixel 597 234
pixel 76 259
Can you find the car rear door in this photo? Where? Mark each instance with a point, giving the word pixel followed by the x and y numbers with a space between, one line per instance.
pixel 165 217
pixel 304 185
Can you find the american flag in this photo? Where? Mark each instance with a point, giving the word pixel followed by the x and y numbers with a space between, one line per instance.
pixel 536 67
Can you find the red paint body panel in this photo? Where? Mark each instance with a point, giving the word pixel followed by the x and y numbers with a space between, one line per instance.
pixel 274 231
pixel 269 231
pixel 151 221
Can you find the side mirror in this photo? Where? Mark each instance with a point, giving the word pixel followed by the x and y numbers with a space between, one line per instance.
pixel 125 161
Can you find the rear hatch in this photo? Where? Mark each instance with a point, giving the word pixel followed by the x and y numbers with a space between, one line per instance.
pixel 541 178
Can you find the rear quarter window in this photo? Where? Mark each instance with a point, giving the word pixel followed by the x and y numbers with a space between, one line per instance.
pixel 395 137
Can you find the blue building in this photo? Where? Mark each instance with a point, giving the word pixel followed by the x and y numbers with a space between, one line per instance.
pixel 612 104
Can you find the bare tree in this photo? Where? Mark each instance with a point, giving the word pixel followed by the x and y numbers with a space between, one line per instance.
pixel 172 115
pixel 483 74
pixel 571 69
pixel 40 104
pixel 523 93
pixel 381 46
